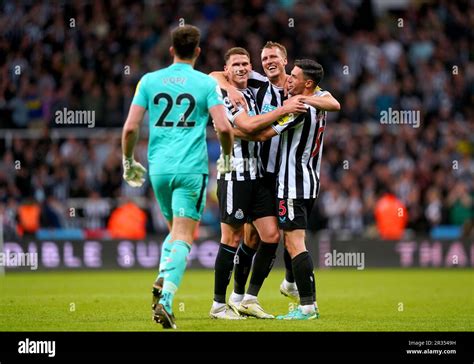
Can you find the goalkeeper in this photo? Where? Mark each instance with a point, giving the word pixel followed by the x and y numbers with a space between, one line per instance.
pixel 179 100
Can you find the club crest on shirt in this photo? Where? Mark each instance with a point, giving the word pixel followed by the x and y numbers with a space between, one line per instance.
pixel 239 214
pixel 227 102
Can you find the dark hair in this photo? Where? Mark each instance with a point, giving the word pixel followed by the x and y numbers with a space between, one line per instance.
pixel 311 70
pixel 275 45
pixel 185 40
pixel 236 50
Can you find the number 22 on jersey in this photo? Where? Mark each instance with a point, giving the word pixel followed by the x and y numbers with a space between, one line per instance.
pixel 183 121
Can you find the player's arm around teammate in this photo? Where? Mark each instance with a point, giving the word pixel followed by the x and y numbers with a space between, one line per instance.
pixel 295 205
pixel 326 102
pixel 241 198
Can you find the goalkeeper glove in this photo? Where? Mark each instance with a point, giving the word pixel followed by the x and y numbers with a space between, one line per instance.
pixel 225 164
pixel 133 172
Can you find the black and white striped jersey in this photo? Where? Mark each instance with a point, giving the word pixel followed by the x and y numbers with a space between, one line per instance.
pixel 301 146
pixel 268 97
pixel 247 162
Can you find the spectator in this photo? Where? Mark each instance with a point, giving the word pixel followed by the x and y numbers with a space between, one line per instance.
pixel 334 204
pixel 9 213
pixel 47 65
pixel 127 222
pixel 433 211
pixel 354 212
pixel 52 213
pixel 29 218
pixel 460 205
pixel 96 211
pixel 391 217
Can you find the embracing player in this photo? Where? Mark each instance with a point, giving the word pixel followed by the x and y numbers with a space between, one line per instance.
pixel 269 92
pixel 300 151
pixel 243 197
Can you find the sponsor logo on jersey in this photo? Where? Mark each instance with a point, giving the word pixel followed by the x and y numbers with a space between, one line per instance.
pixel 267 108
pixel 285 119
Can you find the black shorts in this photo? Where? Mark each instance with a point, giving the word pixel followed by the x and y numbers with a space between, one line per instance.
pixel 269 180
pixel 294 213
pixel 244 201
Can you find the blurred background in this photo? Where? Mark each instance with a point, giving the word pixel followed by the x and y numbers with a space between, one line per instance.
pixel 60 181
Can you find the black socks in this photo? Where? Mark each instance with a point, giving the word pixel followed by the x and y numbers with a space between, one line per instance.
pixel 304 277
pixel 223 271
pixel 288 267
pixel 263 264
pixel 243 263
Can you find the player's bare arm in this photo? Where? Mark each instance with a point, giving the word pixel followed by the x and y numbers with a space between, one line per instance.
pixel 235 96
pixel 259 136
pixel 252 124
pixel 326 102
pixel 238 133
pixel 133 171
pixel 131 129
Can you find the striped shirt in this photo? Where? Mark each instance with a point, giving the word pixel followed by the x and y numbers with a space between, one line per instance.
pixel 247 163
pixel 301 149
pixel 268 97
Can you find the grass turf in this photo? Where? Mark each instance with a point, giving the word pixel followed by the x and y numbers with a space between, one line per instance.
pixel 349 300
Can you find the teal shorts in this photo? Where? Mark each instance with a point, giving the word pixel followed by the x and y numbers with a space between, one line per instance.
pixel 180 195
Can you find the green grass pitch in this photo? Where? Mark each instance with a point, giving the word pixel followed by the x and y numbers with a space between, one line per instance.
pixel 349 300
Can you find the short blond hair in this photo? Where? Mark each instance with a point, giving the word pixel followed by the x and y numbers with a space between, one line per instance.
pixel 281 47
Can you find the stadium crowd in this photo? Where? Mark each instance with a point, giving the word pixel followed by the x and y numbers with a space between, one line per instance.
pixel 89 55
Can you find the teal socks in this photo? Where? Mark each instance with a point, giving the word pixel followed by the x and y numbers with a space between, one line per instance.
pixel 165 252
pixel 174 271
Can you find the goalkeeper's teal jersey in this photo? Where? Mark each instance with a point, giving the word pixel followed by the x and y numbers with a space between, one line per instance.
pixel 178 99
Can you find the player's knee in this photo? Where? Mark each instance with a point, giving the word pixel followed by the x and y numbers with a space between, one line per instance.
pixel 252 244
pixel 292 249
pixel 252 240
pixel 232 240
pixel 236 239
pixel 229 240
pixel 271 236
pixel 232 243
pixel 294 243
pixel 231 237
